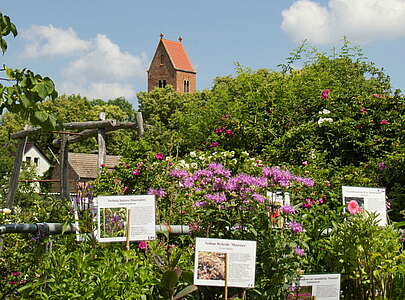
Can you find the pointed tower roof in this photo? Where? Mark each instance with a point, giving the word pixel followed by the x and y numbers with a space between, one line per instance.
pixel 178 55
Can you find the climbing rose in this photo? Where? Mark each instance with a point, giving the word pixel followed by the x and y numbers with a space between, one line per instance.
pixel 143 245
pixel 384 122
pixel 160 156
pixel 325 94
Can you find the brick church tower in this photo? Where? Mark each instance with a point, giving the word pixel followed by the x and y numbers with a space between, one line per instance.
pixel 171 65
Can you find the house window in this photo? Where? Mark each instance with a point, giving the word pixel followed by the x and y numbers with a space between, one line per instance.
pixel 36 161
pixel 162 83
pixel 186 86
pixel 161 59
pixel 28 159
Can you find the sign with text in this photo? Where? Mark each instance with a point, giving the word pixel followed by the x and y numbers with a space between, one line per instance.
pixel 113 213
pixel 319 287
pixel 369 199
pixel 216 259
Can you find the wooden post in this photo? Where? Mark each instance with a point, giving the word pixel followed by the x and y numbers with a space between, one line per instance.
pixel 101 144
pixel 64 167
pixel 128 227
pixel 139 121
pixel 226 276
pixel 16 173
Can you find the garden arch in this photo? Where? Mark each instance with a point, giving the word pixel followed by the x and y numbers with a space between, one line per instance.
pixel 89 129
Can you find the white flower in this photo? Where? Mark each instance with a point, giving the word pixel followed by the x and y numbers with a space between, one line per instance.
pixel 201 157
pixel 193 154
pixel 5 211
pixel 194 165
pixel 324 112
pixel 321 120
pixel 234 161
pixel 245 153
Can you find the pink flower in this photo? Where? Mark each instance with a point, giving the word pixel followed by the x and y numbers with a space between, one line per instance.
pixel 15 274
pixel 117 180
pixel 125 189
pixel 23 281
pixel 159 156
pixel 304 163
pixel 143 245
pixel 363 110
pixel 381 166
pixel 295 227
pixel 136 172
pixel 229 132
pixel 321 200
pixel 214 144
pixel 378 95
pixel 353 207
pixel 219 130
pixel 325 93
pixel 299 251
pixel 287 209
pixel 12 282
pixel 384 122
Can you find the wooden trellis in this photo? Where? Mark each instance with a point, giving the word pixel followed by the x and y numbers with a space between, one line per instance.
pixel 89 129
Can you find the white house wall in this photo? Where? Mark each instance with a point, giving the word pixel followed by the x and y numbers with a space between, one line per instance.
pixel 43 164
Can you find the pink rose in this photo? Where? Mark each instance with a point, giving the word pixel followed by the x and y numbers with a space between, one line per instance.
pixel 325 93
pixel 353 207
pixel 160 156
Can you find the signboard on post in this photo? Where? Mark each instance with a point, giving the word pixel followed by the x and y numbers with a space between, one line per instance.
pixel 369 199
pixel 226 263
pixel 115 213
pixel 319 287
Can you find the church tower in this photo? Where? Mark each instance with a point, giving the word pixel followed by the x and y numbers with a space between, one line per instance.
pixel 171 65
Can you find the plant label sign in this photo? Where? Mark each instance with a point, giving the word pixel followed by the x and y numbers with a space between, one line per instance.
pixel 319 287
pixel 369 199
pixel 279 198
pixel 114 213
pixel 217 260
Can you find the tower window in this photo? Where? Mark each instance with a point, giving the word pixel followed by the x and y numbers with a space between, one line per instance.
pixel 186 86
pixel 162 83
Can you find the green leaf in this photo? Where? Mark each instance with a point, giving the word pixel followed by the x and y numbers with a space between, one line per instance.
pixel 41 116
pixel 169 281
pixel 175 261
pixel 186 291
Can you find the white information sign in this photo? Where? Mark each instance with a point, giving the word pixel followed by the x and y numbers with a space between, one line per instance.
pixel 113 216
pixel 279 198
pixel 369 199
pixel 217 258
pixel 321 286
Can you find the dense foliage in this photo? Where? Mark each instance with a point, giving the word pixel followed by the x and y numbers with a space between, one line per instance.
pixel 224 162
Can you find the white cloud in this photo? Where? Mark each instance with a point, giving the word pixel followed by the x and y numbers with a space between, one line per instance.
pixel 51 41
pixel 104 72
pixel 98 69
pixel 106 61
pixel 360 21
pixel 98 90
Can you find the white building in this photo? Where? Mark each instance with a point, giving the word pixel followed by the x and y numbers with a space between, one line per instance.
pixel 32 154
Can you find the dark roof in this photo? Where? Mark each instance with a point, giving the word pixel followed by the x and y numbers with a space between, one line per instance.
pixel 178 55
pixel 85 165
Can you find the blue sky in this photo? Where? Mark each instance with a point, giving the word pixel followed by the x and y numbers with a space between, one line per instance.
pixel 101 49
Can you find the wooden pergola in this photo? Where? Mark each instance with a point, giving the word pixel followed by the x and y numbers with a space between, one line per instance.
pixel 89 129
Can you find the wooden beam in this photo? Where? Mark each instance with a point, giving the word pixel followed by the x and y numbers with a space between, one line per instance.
pixel 93 132
pixel 16 173
pixel 72 125
pixel 101 144
pixel 139 121
pixel 64 167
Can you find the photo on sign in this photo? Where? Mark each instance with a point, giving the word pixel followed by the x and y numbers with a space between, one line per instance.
pixel 301 293
pixel 113 222
pixel 211 265
pixel 358 200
